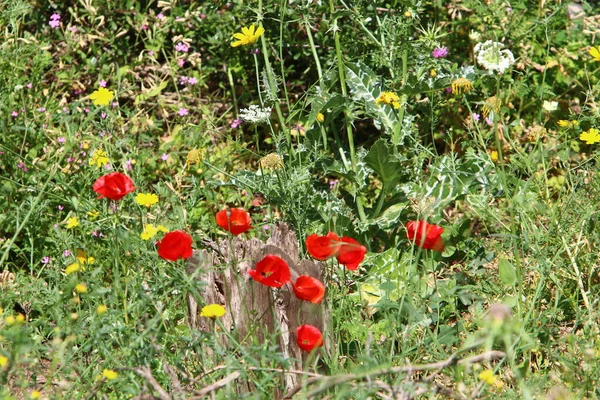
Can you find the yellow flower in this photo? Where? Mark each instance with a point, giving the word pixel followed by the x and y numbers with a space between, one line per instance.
pixel 93 214
pixel 102 96
pixel 109 374
pixel 433 73
pixel 162 228
pixel 10 320
pixel 35 395
pixel 149 232
pixel 20 318
pixel 3 361
pixel 81 288
pixel 99 158
pixel 494 155
pixel 101 309
pixel 488 377
pixel 590 137
pixel 563 123
pixel 247 36
pixel 491 104
pixel 212 311
pixel 72 223
pixel 146 199
pixel 75 267
pixel 74 316
pixel 320 118
pixel 80 260
pixel 193 157
pixel 595 52
pixel 271 161
pixel 390 98
pixel 461 85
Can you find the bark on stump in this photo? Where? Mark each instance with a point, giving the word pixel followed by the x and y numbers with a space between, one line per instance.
pixel 255 310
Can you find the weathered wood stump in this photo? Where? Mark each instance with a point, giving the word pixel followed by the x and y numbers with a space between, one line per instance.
pixel 255 310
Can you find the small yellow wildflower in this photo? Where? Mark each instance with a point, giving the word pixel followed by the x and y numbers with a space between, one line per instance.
pixel 99 158
pixel 247 36
pixel 79 264
pixel 271 161
pixel 35 394
pixel 149 232
pixel 102 96
pixel 10 320
pixel 494 155
pixel 488 377
pixel 146 199
pixel 109 374
pixel 433 73
pixel 595 52
pixel 407 14
pixel 93 214
pixel 491 104
pixel 72 222
pixel 81 288
pixel 75 267
pixel 193 157
pixel 563 123
pixel 162 228
pixel 590 137
pixel 390 98
pixel 74 316
pixel 461 85
pixel 3 361
pixel 101 309
pixel 320 118
pixel 20 318
pixel 212 311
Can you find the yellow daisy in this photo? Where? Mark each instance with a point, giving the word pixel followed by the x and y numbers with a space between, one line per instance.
pixel 595 52
pixel 146 199
pixel 212 311
pixel 590 137
pixel 102 96
pixel 248 36
pixel 72 222
pixel 99 158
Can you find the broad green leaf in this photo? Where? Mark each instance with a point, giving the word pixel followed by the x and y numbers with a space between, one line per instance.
pixel 508 273
pixel 381 159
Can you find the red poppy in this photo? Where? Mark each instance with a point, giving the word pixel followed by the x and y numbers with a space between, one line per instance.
pixel 308 337
pixel 234 220
pixel 351 253
pixel 309 289
pixel 271 271
pixel 427 236
pixel 113 186
pixel 323 247
pixel 174 245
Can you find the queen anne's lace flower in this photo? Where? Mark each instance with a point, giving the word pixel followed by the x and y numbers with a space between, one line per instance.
pixel 491 56
pixel 255 114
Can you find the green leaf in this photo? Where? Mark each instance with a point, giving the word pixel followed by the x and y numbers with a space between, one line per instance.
pixel 382 160
pixel 508 273
pixel 153 92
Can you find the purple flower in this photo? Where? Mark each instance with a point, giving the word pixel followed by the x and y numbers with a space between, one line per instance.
pixel 181 62
pixel 115 104
pixel 102 83
pixel 183 80
pixel 160 16
pixel 29 85
pixel 150 53
pixel 476 117
pixel 45 260
pixel 73 29
pixel 236 123
pixel 60 207
pixel 192 81
pixel 439 52
pixel 66 253
pixel 21 166
pixel 489 121
pixel 332 183
pixel 144 27
pixel 54 23
pixel 182 47
pixel 61 139
pixel 183 112
pixel 41 109
pixel 103 115
pixel 164 157
pixel 14 113
pixel 55 17
pixel 129 165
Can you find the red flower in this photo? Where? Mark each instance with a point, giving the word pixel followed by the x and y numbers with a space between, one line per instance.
pixel 308 337
pixel 351 253
pixel 174 245
pixel 113 186
pixel 323 247
pixel 234 220
pixel 309 289
pixel 427 236
pixel 271 271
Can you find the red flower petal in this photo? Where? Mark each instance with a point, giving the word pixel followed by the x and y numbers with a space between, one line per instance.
pixel 234 220
pixel 351 253
pixel 322 247
pixel 427 236
pixel 309 289
pixel 113 186
pixel 175 245
pixel 271 271
pixel 308 337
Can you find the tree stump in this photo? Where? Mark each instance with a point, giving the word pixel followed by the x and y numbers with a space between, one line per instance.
pixel 255 310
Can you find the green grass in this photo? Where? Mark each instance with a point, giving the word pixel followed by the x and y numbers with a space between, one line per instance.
pixel 507 310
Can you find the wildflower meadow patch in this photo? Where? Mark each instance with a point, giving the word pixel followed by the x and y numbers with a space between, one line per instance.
pixel 302 199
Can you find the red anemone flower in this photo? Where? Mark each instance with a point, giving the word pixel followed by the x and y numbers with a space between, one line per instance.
pixel 234 220
pixel 309 289
pixel 323 247
pixel 308 337
pixel 427 236
pixel 174 245
pixel 351 253
pixel 271 271
pixel 113 186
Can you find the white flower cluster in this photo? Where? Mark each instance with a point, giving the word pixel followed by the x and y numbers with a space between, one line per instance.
pixel 491 56
pixel 255 114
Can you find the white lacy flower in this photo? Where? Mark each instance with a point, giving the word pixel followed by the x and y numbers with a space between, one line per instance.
pixel 255 114
pixel 491 56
